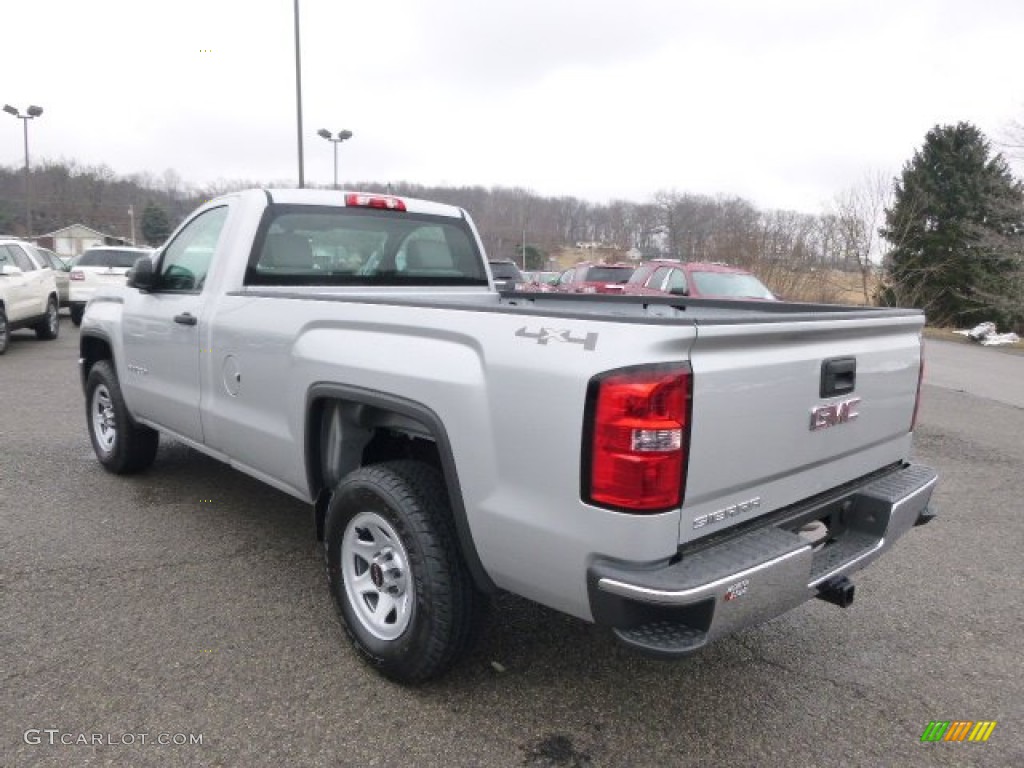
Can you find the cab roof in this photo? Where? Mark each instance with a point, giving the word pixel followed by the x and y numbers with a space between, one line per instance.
pixel 342 198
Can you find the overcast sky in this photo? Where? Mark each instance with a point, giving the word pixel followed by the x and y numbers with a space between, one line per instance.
pixel 783 102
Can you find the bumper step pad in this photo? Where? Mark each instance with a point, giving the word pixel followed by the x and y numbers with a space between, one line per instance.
pixel 662 638
pixel 852 545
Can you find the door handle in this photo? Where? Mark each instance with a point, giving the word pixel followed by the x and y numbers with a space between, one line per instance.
pixel 838 376
pixel 186 318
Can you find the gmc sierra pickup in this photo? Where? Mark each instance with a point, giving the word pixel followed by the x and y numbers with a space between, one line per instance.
pixel 685 467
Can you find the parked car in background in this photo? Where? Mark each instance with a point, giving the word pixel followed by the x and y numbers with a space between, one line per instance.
pixel 28 293
pixel 61 269
pixel 102 265
pixel 702 280
pixel 506 273
pixel 590 277
pixel 543 279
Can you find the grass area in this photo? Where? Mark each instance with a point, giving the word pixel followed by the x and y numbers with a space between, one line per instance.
pixel 822 286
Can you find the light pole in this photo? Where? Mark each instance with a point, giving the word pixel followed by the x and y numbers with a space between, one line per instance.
pixel 342 136
pixel 298 95
pixel 30 114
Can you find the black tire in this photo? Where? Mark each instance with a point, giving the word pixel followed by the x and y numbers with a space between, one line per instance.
pixel 49 329
pixel 5 331
pixel 407 498
pixel 76 314
pixel 122 446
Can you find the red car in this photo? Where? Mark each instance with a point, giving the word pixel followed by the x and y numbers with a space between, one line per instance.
pixel 589 277
pixel 666 277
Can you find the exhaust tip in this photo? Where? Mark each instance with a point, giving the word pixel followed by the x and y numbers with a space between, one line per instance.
pixel 838 592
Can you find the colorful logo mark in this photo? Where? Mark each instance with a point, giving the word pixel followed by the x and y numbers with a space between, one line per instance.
pixel 958 730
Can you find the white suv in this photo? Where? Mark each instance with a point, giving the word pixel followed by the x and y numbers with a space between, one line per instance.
pixel 28 293
pixel 102 265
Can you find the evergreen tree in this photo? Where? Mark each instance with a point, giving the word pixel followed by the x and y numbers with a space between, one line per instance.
pixel 536 259
pixel 956 227
pixel 156 226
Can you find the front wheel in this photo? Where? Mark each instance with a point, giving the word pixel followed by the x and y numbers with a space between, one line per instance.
pixel 49 328
pixel 406 600
pixel 121 445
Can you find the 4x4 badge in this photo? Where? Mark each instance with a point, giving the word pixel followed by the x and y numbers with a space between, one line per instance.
pixel 544 335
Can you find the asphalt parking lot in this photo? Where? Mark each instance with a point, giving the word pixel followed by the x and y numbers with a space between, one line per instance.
pixel 188 604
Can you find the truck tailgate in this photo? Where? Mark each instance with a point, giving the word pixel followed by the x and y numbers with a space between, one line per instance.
pixel 783 411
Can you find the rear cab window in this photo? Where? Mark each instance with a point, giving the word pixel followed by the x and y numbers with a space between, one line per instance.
pixel 324 245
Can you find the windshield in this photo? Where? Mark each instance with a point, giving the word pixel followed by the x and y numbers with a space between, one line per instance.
pixel 109 258
pixel 730 284
pixel 307 245
pixel 608 274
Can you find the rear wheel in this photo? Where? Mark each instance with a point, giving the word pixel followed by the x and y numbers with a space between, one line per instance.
pixel 49 328
pixel 121 446
pixel 406 600
pixel 5 331
pixel 76 314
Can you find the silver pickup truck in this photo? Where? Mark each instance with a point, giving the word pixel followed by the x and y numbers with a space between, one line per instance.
pixel 671 468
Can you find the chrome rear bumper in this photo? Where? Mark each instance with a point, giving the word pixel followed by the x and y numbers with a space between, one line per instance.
pixel 675 609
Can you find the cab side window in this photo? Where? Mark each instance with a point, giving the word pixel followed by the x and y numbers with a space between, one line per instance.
pixel 658 278
pixel 49 259
pixel 186 260
pixel 6 258
pixel 21 259
pixel 677 283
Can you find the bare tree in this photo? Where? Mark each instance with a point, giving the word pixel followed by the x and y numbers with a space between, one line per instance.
pixel 858 213
pixel 1011 142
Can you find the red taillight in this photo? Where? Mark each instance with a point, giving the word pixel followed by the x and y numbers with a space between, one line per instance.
pixel 383 202
pixel 917 397
pixel 637 437
pixel 76 274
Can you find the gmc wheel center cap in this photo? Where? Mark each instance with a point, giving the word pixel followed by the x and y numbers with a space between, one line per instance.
pixel 377 575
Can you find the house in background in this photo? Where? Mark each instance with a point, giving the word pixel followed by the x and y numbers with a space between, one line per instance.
pixel 72 240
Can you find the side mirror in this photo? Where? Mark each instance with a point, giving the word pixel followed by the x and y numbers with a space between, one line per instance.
pixel 10 270
pixel 679 291
pixel 142 275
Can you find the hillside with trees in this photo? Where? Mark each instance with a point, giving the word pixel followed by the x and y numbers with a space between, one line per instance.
pixel 784 247
pixel 828 256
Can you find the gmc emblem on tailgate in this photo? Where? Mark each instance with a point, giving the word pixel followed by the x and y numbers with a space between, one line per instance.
pixel 825 416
